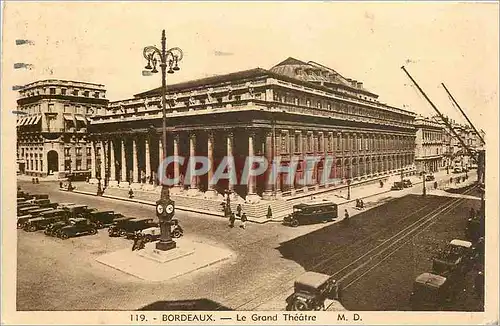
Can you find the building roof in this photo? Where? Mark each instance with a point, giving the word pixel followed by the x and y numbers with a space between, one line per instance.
pixel 62 82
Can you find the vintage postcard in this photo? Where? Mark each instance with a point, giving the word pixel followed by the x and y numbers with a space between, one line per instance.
pixel 235 163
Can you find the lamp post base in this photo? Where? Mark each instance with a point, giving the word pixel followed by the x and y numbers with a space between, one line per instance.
pixel 165 245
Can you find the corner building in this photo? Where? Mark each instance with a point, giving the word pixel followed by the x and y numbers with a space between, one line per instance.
pixel 291 111
pixel 52 127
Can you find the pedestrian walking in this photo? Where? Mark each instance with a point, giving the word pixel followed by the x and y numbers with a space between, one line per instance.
pixel 136 239
pixel 130 193
pixel 346 215
pixel 232 218
pixel 243 220
pixel 269 212
pixel 361 204
pixel 472 212
pixel 238 210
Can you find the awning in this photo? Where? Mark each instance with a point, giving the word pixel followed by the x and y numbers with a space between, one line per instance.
pixel 25 120
pixel 37 119
pixel 81 118
pixel 68 116
pixel 19 122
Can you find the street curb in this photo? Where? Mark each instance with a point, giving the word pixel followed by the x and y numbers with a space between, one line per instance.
pixel 150 203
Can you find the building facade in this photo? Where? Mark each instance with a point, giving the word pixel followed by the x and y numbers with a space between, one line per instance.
pixel 52 127
pixel 429 142
pixel 288 113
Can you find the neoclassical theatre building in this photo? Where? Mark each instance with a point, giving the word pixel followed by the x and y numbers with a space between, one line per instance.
pixel 295 109
pixel 52 127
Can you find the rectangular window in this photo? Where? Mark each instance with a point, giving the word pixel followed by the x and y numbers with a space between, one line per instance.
pixel 308 102
pixel 75 92
pixel 96 94
pixel 318 105
pixel 78 151
pixel 52 91
pixel 66 151
pixel 297 143
pixel 78 164
pixel 86 93
pixel 63 91
pixel 88 149
pixel 284 143
pixel 51 108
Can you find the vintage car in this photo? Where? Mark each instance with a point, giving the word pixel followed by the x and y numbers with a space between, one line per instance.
pixel 37 211
pixel 398 185
pixel 117 229
pixel 455 260
pixel 65 205
pixel 407 183
pixel 136 224
pixel 39 223
pixel 43 203
pixel 431 292
pixel 430 177
pixel 311 213
pixel 151 234
pixel 53 228
pixel 102 218
pixel 475 228
pixel 23 208
pixel 21 220
pixel 311 290
pixel 76 226
pixel 77 211
pixel 40 196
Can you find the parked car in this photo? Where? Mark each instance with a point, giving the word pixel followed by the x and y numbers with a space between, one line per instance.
pixel 24 208
pixel 21 220
pixel 77 226
pixel 136 224
pixel 398 185
pixel 43 203
pixel 117 229
pixel 65 205
pixel 311 213
pixel 53 228
pixel 430 177
pixel 407 183
pixel 78 211
pixel 431 292
pixel 455 260
pixel 40 196
pixel 151 234
pixel 39 223
pixel 37 211
pixel 102 218
pixel 311 290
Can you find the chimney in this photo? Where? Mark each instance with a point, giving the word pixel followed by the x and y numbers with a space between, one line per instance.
pixel 360 85
pixel 354 83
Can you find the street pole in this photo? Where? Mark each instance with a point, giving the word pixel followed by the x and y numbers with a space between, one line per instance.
pixel 423 185
pixel 349 189
pixel 163 66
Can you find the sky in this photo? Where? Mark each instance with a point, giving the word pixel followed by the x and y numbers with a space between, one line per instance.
pixel 102 43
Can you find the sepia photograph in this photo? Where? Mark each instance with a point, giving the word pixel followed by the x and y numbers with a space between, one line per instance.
pixel 249 162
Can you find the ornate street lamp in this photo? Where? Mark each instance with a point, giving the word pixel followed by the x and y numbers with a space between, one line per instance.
pixel 165 208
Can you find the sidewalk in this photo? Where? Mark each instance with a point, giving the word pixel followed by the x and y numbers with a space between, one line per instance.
pixel 371 193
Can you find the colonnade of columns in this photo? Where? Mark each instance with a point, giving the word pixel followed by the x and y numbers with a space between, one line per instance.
pixel 135 159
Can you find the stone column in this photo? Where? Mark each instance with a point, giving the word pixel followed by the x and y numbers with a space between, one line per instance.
pixel 103 161
pixel 268 186
pixel 124 167
pixel 193 186
pixel 177 187
pixel 93 178
pixel 211 192
pixel 230 141
pixel 148 158
pixel 135 167
pixel 112 164
pixel 252 196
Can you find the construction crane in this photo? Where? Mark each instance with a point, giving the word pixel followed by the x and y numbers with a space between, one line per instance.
pixel 465 115
pixel 443 118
